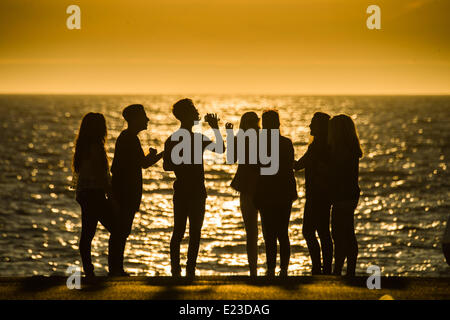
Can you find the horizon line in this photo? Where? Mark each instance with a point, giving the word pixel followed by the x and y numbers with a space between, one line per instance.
pixel 223 93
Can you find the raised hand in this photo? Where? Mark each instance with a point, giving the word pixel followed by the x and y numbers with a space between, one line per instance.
pixel 213 120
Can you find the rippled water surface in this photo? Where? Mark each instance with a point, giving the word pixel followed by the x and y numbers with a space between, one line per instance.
pixel 400 219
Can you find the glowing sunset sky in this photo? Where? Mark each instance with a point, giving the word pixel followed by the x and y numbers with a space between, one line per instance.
pixel 225 46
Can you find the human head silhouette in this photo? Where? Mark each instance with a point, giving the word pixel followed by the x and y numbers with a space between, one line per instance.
pixel 136 117
pixel 270 119
pixel 185 111
pixel 343 137
pixel 319 125
pixel 249 120
pixel 92 131
pixel 93 127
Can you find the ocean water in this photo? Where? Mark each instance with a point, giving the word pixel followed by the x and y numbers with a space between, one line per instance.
pixel 400 218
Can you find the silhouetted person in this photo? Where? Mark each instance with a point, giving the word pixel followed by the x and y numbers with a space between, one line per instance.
pixel 316 217
pixel 345 151
pixel 244 182
pixel 129 159
pixel 274 196
pixel 189 187
pixel 93 183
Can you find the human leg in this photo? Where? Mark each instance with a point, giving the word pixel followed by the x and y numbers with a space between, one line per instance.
pixel 89 221
pixel 309 233
pixel 283 236
pixel 338 234
pixel 323 229
pixel 446 251
pixel 269 239
pixel 250 216
pixel 119 240
pixel 343 230
pixel 180 213
pixel 109 219
pixel 352 243
pixel 196 216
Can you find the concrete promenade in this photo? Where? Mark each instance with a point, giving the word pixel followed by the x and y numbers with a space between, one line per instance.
pixel 224 288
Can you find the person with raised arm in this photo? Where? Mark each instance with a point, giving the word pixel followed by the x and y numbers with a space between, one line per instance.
pixel 183 154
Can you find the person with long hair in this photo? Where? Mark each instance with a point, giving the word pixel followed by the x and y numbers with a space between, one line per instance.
pixel 93 185
pixel 275 194
pixel 345 152
pixel 316 216
pixel 245 180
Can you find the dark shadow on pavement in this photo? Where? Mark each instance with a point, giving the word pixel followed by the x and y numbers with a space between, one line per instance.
pixel 285 283
pixel 96 284
pixel 40 283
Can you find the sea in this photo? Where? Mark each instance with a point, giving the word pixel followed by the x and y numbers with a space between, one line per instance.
pixel 400 219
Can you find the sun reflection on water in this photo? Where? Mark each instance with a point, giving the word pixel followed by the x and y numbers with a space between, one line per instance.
pixel 399 220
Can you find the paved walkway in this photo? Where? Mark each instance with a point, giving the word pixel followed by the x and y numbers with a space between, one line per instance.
pixel 225 288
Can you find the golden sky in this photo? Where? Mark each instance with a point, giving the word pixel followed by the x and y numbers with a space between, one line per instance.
pixel 225 46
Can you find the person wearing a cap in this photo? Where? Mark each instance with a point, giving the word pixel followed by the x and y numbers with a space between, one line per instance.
pixel 129 160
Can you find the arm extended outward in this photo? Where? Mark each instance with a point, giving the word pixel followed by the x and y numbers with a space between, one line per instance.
pixel 151 158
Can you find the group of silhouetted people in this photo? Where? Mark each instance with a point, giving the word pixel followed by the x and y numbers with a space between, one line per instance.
pixel 111 200
pixel 331 180
pixel 331 166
